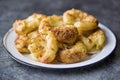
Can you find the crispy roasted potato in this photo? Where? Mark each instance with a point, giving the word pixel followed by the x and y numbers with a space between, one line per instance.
pixel 81 20
pixel 43 47
pixel 95 41
pixel 75 54
pixel 29 24
pixel 66 38
pixel 21 44
pixel 67 34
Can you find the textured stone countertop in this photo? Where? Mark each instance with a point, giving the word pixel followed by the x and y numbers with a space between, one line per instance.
pixel 107 12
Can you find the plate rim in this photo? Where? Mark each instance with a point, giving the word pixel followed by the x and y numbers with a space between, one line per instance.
pixel 38 66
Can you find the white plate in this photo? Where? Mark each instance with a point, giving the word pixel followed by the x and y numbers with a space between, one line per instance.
pixel 10 36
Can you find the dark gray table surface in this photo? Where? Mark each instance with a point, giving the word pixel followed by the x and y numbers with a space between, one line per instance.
pixel 106 11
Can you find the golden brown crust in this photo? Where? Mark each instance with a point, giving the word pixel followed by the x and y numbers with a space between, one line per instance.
pixel 95 41
pixel 21 44
pixel 19 26
pixel 75 54
pixel 67 34
pixel 43 47
pixel 29 24
pixel 81 20
pixel 36 45
pixel 51 22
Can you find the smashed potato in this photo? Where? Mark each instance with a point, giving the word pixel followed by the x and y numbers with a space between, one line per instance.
pixel 67 34
pixel 43 47
pixel 27 25
pixel 21 44
pixel 81 20
pixel 36 44
pixel 51 22
pixel 95 41
pixel 67 38
pixel 76 53
pixel 63 33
